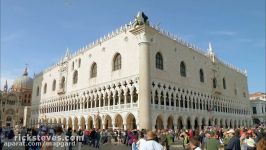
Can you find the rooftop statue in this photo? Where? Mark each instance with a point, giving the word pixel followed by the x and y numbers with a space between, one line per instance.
pixel 141 19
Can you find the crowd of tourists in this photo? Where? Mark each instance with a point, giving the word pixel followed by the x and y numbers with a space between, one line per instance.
pixel 210 138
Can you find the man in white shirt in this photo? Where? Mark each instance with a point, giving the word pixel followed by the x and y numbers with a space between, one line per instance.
pixel 151 144
pixel 141 141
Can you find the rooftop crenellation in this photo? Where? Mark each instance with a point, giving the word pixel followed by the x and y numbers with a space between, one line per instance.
pixel 129 26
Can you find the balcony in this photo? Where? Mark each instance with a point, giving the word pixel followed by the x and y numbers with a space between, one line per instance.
pixel 61 91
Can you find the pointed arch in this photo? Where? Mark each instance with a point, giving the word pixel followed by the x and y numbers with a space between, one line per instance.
pixel 201 73
pixel 117 62
pixel 183 71
pixel 75 77
pixel 224 83
pixel 119 121
pixel 45 88
pixel 159 61
pixel 170 122
pixel 37 91
pixel 159 122
pixel 62 83
pixel 54 85
pixel 214 82
pixel 108 122
pixel 93 70
pixel 180 124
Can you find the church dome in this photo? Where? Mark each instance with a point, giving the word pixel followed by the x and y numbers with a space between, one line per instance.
pixel 23 82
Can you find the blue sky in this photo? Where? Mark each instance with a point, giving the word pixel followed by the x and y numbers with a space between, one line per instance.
pixel 37 32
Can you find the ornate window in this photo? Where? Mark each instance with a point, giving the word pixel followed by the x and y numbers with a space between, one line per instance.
pixel 183 69
pixel 73 65
pixel 62 84
pixel 54 85
pixel 75 77
pixel 38 91
pixel 117 62
pixel 93 70
pixel 79 62
pixel 135 95
pixel 45 88
pixel 214 83
pixel 201 75
pixel 159 61
pixel 224 83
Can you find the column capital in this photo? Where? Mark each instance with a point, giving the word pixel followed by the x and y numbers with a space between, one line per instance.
pixel 144 33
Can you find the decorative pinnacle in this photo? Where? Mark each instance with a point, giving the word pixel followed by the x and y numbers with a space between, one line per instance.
pixel 25 73
pixel 210 50
pixel 6 87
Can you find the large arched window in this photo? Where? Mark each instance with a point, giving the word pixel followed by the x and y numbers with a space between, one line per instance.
pixel 54 85
pixel 79 62
pixel 224 83
pixel 117 62
pixel 214 83
pixel 45 88
pixel 159 61
pixel 93 70
pixel 183 72
pixel 75 77
pixel 73 65
pixel 62 84
pixel 38 91
pixel 201 75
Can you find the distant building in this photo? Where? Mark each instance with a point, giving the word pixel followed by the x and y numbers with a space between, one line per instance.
pixel 140 76
pixel 16 101
pixel 258 105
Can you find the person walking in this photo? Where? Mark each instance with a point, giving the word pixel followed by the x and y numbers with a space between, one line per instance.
pixel 212 143
pixel 68 137
pixel 234 143
pixel 185 140
pixel 151 144
pixel 194 144
pixel 249 141
pixel 97 139
pixel 141 141
pixel 1 138
pixel 60 137
pixel 80 138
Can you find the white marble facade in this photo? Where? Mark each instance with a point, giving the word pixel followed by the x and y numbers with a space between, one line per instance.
pixel 141 77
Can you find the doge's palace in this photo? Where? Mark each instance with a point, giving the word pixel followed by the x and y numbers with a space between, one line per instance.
pixel 140 76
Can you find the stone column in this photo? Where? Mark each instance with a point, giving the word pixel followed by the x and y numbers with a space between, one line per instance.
pixel 108 98
pixel 174 102
pixel 164 100
pixel 192 122
pixel 119 100
pixel 100 99
pixel 113 125
pixel 199 124
pixel 131 98
pixel 125 126
pixel 153 101
pixel 67 126
pixel 185 124
pixel 144 33
pixel 125 97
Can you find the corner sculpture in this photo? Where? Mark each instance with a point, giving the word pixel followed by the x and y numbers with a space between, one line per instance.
pixel 141 19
